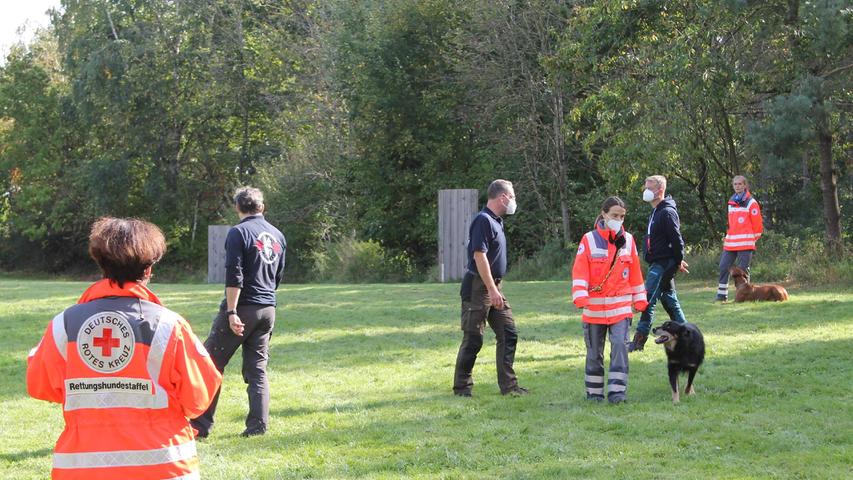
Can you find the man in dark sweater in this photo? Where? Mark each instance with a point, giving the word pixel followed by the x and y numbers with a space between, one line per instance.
pixel 254 264
pixel 664 252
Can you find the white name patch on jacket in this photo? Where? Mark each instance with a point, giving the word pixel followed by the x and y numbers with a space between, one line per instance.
pixel 75 386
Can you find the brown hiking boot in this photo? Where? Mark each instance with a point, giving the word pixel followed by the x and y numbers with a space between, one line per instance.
pixel 516 391
pixel 638 343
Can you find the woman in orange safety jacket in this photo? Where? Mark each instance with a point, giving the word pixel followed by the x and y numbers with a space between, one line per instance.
pixel 127 371
pixel 745 228
pixel 606 282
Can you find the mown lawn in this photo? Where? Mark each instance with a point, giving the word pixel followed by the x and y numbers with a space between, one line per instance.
pixel 361 378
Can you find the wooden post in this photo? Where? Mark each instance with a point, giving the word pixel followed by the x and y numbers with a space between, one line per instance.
pixel 216 253
pixel 456 208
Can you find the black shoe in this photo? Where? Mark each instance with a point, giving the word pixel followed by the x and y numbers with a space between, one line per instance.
pixel 202 432
pixel 638 343
pixel 463 393
pixel 516 391
pixel 616 400
pixel 595 398
pixel 253 432
pixel 721 299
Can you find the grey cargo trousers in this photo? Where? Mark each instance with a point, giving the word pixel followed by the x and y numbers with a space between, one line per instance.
pixel 617 379
pixel 222 343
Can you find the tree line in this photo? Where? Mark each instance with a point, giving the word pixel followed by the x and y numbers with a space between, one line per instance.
pixel 352 115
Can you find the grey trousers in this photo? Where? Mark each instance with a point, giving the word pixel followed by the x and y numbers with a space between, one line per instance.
pixel 222 343
pixel 743 257
pixel 617 378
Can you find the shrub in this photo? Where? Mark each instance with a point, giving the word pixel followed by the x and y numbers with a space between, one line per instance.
pixel 552 262
pixel 358 261
pixel 778 258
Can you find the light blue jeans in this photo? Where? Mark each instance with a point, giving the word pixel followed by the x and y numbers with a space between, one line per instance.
pixel 660 284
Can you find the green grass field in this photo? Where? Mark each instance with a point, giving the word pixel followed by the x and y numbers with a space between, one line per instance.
pixel 361 380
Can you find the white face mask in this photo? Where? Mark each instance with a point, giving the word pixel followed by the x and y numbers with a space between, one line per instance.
pixel 614 225
pixel 648 195
pixel 511 207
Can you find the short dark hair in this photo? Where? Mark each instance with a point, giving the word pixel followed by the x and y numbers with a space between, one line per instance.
pixel 125 247
pixel 611 202
pixel 249 200
pixel 499 187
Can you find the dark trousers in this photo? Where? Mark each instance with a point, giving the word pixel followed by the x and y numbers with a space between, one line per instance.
pixel 222 343
pixel 476 312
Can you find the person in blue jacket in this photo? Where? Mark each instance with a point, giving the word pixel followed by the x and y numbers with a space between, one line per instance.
pixel 664 252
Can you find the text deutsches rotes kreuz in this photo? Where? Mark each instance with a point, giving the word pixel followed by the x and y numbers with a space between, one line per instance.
pixel 106 342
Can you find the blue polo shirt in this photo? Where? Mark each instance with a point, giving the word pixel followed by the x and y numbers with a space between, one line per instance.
pixel 254 260
pixel 486 234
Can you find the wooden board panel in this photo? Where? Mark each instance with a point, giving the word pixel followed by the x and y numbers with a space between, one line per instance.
pixel 456 208
pixel 216 253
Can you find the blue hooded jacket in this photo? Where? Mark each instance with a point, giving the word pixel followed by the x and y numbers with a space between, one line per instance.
pixel 663 234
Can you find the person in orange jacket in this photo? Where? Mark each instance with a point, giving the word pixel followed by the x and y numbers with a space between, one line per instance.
pixel 606 282
pixel 745 228
pixel 127 371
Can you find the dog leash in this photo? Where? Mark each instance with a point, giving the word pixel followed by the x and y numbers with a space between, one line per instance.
pixel 612 264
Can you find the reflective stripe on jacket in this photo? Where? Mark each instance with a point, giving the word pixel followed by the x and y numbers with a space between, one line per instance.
pixel 745 226
pixel 128 373
pixel 624 287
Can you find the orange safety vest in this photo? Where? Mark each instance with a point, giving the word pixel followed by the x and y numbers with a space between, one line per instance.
pixel 618 292
pixel 745 225
pixel 128 373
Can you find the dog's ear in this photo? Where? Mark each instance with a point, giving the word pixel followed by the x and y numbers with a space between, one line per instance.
pixel 681 330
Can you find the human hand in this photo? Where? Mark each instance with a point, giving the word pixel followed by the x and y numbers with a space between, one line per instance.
pixel 496 299
pixel 236 324
pixel 683 267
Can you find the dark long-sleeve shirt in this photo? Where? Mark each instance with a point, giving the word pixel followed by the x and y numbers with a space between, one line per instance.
pixel 254 260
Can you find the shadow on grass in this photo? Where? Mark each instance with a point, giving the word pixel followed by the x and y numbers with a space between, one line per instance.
pixel 433 432
pixel 355 405
pixel 14 457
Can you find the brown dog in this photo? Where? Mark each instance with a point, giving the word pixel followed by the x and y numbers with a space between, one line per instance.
pixel 747 292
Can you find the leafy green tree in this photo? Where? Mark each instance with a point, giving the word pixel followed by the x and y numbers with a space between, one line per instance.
pixel 803 121
pixel 395 72
pixel 40 182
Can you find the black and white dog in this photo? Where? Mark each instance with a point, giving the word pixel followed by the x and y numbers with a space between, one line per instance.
pixel 685 350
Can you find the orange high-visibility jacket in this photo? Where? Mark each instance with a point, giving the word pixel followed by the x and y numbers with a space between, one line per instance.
pixel 622 289
pixel 128 373
pixel 745 225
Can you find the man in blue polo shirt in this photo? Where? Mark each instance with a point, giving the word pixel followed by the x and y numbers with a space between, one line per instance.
pixel 254 264
pixel 482 297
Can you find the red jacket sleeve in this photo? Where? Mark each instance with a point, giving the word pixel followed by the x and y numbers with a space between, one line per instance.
pixel 638 287
pixel 580 275
pixel 755 219
pixel 46 364
pixel 193 377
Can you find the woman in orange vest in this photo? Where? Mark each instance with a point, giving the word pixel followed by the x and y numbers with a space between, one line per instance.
pixel 127 371
pixel 606 282
pixel 745 228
